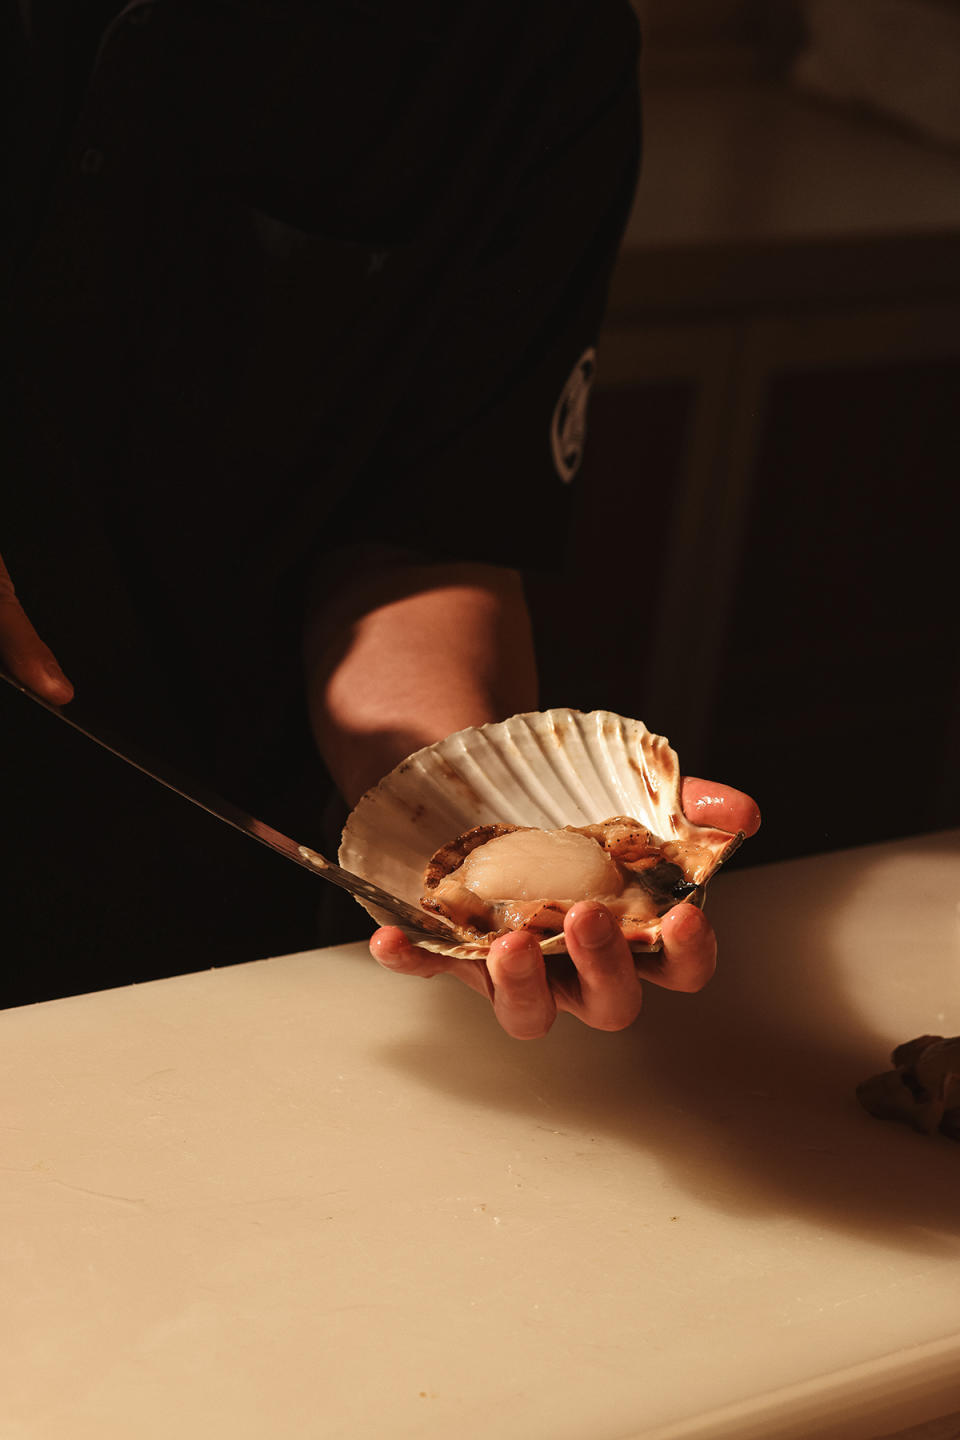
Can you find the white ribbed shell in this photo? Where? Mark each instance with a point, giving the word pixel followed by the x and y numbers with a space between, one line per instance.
pixel 546 769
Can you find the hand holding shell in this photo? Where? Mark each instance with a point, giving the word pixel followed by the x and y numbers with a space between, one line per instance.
pixel 546 770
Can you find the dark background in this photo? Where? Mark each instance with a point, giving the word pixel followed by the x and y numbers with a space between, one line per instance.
pixel 764 568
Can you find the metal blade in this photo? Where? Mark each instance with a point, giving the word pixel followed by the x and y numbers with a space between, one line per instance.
pixel 411 919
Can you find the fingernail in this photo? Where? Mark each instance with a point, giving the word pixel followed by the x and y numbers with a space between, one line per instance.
pixel 53 672
pixel 387 948
pixel 594 928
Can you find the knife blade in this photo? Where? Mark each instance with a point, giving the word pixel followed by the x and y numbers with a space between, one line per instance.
pixel 413 921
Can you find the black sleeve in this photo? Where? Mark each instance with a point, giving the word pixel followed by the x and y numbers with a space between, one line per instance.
pixel 481 456
pixel 312 274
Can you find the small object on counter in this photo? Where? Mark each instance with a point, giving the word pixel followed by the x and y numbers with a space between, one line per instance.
pixel 536 792
pixel 923 1090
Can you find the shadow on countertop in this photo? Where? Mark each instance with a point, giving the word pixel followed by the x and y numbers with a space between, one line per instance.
pixel 744 1092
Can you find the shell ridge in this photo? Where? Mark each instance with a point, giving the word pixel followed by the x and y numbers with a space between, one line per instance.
pixel 438 785
pixel 527 751
pixel 586 735
pixel 483 781
pixel 623 800
pixel 568 777
pixel 602 800
pixel 505 803
pixel 670 804
pixel 655 782
pixel 646 781
pixel 387 847
pixel 491 779
pixel 517 765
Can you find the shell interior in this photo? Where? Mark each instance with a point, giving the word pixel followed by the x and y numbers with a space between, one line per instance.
pixel 546 769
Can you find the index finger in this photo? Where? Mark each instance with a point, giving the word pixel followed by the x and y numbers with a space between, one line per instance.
pixel 23 652
pixel 391 949
pixel 707 803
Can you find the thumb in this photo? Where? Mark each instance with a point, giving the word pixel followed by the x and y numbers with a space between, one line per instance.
pixel 29 660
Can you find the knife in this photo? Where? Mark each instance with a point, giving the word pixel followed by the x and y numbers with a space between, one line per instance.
pixel 413 921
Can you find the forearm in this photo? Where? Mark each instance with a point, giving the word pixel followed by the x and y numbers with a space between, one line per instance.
pixel 399 654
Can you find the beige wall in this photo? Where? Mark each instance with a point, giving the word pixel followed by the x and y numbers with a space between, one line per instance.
pixel 725 37
pixel 694 21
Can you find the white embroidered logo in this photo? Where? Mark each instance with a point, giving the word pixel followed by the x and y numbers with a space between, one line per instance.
pixel 568 432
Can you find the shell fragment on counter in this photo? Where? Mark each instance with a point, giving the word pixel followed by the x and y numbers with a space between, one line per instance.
pixel 923 1089
pixel 546 770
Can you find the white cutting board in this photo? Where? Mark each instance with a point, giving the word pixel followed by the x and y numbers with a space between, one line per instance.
pixel 306 1198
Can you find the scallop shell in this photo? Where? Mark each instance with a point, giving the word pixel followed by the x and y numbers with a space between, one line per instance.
pixel 546 769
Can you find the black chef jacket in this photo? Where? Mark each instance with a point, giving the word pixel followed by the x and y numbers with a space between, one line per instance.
pixel 304 273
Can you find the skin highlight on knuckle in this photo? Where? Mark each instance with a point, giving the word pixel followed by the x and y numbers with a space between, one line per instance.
pixel 600 967
pixel 522 996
